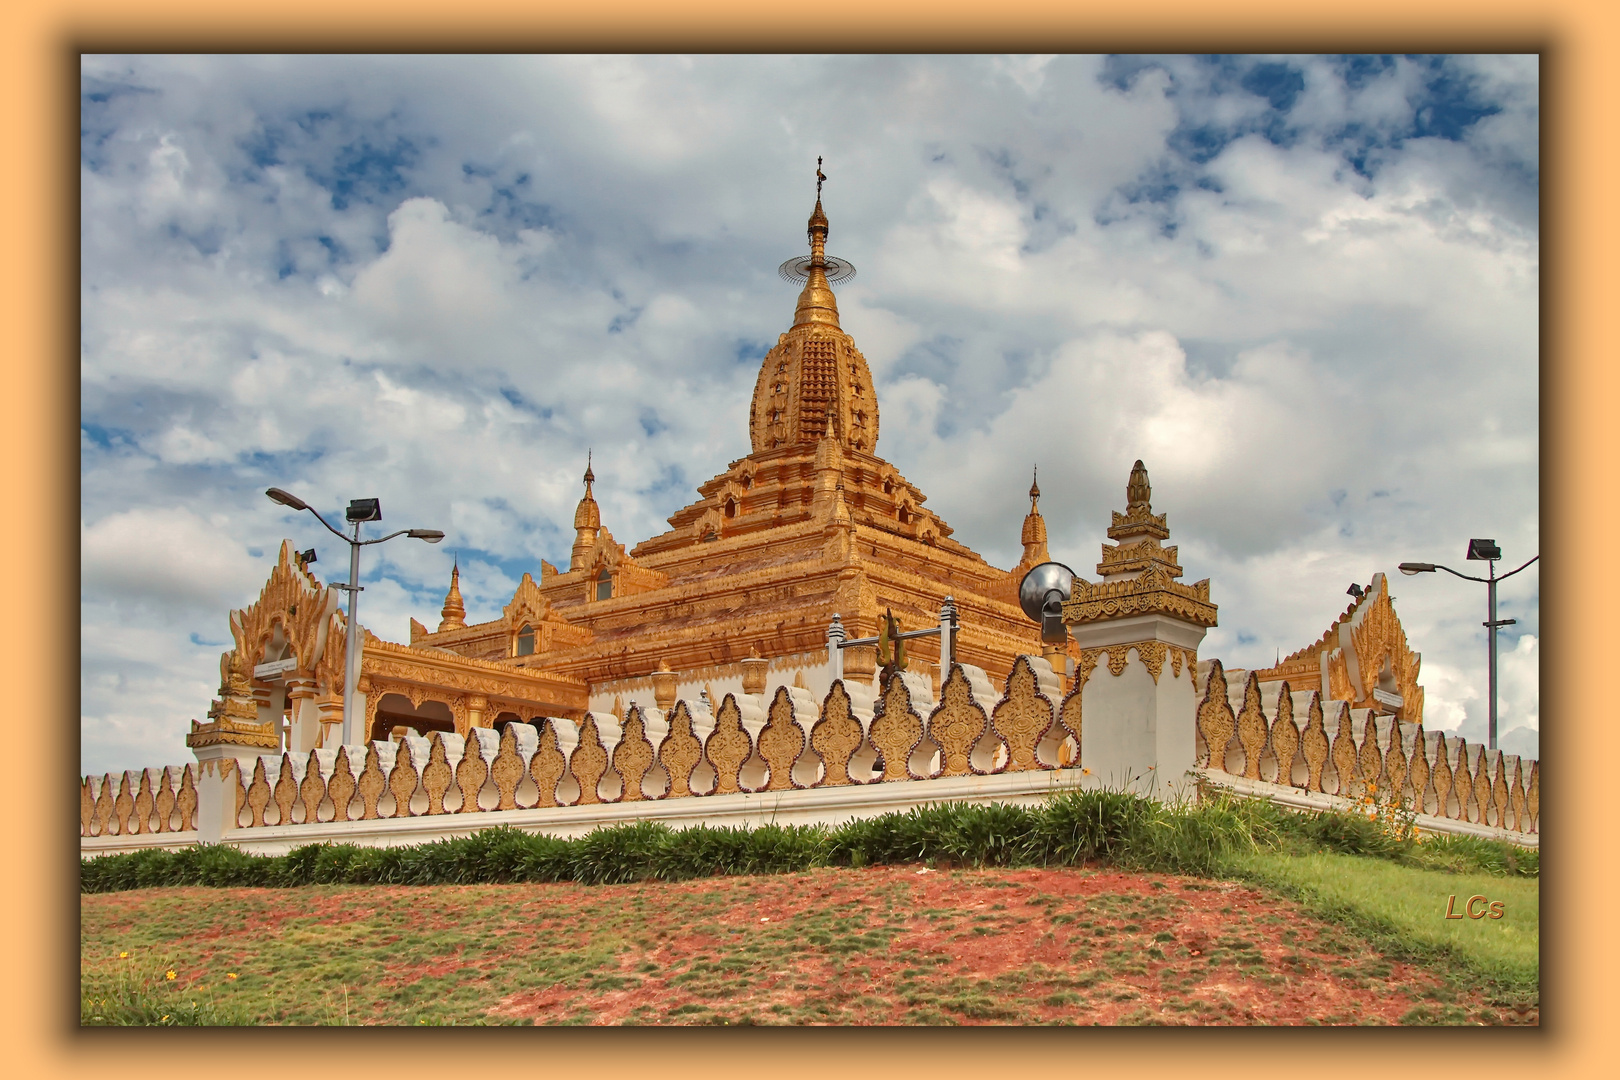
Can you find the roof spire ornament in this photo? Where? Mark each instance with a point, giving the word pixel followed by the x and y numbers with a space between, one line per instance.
pixel 817 305
pixel 587 521
pixel 454 614
pixel 1137 492
pixel 1033 536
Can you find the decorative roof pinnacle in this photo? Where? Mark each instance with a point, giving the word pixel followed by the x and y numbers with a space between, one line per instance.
pixel 1138 493
pixel 453 616
pixel 816 302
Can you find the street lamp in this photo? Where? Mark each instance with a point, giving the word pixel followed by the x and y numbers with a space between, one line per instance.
pixel 1483 551
pixel 360 510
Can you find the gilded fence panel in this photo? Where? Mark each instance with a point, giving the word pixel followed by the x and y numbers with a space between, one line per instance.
pixel 1481 772
pixel 342 786
pixel 1369 759
pixel 1022 717
pixel 104 806
pixel 1284 736
pixel 186 800
pixel 1313 742
pixel 507 772
pixel 1069 719
pixel 957 724
pixel 286 791
pixel 258 795
pixel 163 801
pixel 896 730
pixel 680 752
pixel 437 775
pixel 589 762
pixel 548 765
pixel 1418 773
pixel 1462 783
pixel 1251 727
pixel 140 817
pixel 404 779
pixel 728 747
pixel 1215 720
pixel 1395 764
pixel 835 737
pixel 471 772
pixel 312 790
pixel 1517 796
pixel 1440 775
pixel 780 741
pixel 124 805
pixel 1343 755
pixel 1532 799
pixel 633 757
pixel 87 807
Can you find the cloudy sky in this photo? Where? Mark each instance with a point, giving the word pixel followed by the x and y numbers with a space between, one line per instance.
pixel 1302 289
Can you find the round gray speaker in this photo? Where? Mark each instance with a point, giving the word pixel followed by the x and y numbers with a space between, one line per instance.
pixel 1039 582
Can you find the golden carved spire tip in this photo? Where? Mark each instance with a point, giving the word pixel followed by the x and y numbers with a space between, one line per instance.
pixel 1034 488
pixel 1138 494
pixel 453 616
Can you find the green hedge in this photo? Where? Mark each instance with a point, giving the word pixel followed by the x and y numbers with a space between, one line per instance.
pixel 1066 830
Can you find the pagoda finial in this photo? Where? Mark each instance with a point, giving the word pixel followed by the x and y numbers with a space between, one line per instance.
pixel 587 520
pixel 454 614
pixel 1137 492
pixel 820 177
pixel 1033 536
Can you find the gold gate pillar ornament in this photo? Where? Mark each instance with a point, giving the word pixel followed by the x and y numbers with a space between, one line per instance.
pixel 1140 713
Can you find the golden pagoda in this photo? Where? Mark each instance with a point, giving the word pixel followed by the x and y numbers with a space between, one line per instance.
pixel 744 583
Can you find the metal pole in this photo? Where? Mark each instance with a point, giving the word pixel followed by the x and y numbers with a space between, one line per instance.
pixel 1490 588
pixel 835 648
pixel 351 676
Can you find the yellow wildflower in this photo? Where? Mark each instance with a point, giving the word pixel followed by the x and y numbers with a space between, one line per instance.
pixel 123 956
pixel 230 975
pixel 170 975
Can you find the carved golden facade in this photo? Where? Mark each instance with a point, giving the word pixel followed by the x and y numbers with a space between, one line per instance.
pixel 1363 659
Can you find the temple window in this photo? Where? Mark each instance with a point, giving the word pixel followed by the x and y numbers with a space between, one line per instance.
pixel 905 516
pixel 731 508
pixel 525 641
pixel 888 487
pixel 604 584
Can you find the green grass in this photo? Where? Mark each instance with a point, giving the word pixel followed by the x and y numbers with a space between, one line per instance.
pixel 1403 907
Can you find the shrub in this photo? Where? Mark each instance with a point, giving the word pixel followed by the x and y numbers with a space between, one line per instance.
pixel 1067 829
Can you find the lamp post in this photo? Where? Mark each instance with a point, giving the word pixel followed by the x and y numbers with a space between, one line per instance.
pixel 1484 551
pixel 360 510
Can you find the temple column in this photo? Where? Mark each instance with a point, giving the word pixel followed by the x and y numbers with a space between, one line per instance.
pixel 1138 630
pixel 477 706
pixel 305 733
pixel 1138 704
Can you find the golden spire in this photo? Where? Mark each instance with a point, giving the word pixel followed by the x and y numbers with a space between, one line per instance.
pixel 454 614
pixel 587 520
pixel 817 303
pixel 1034 534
